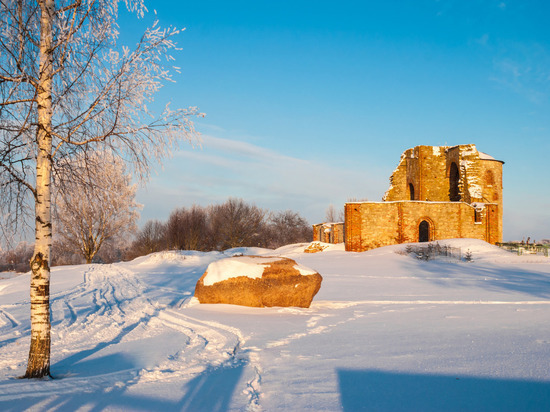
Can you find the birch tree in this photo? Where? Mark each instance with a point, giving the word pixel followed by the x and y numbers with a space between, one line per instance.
pixel 95 202
pixel 66 85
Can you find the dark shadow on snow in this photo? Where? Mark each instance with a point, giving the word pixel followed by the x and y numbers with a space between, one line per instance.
pixel 373 390
pixel 210 391
pixel 520 278
pixel 213 389
pixel 62 367
pixel 113 363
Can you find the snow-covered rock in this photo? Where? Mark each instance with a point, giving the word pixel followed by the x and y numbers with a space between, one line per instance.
pixel 258 282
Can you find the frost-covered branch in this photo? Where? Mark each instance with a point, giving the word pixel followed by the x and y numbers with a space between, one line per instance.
pixel 67 88
pixel 95 201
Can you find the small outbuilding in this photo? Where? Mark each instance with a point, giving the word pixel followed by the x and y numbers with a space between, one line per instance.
pixel 331 232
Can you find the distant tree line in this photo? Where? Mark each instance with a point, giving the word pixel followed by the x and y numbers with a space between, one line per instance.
pixel 16 259
pixel 234 223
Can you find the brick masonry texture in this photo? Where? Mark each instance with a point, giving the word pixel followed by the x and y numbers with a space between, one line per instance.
pixel 456 191
pixel 328 232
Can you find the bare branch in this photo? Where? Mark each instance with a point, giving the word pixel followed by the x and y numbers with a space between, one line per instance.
pixel 70 7
pixel 7 103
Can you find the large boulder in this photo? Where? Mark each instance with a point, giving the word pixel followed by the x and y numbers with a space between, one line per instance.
pixel 258 282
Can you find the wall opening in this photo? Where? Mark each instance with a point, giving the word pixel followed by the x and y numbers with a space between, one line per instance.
pixel 424 231
pixel 477 216
pixel 411 191
pixel 454 177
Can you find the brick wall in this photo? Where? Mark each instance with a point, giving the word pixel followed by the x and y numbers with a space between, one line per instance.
pixel 328 232
pixel 374 224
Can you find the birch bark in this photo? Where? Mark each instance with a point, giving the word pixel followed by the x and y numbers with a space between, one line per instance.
pixel 39 354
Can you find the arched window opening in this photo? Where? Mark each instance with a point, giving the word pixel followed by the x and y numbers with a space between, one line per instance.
pixel 411 191
pixel 424 231
pixel 454 194
pixel 477 216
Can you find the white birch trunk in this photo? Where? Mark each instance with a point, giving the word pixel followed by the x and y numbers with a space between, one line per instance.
pixel 39 354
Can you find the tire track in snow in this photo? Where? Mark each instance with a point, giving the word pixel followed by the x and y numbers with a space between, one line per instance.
pixel 11 332
pixel 105 308
pixel 211 345
pixel 83 317
pixel 72 314
pixel 10 319
pixel 63 300
pixel 215 338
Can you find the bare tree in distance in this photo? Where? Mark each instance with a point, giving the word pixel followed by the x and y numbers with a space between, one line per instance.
pixel 333 215
pixel 288 227
pixel 236 224
pixel 65 84
pixel 64 254
pixel 95 202
pixel 187 229
pixel 151 238
pixel 16 259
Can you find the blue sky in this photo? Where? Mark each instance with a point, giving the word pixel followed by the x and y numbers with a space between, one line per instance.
pixel 311 103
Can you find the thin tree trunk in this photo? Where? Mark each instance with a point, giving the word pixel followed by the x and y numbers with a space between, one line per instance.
pixel 39 354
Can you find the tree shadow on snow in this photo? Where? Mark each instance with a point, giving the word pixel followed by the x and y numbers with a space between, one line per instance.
pixel 212 390
pixel 375 390
pixel 61 367
pixel 90 378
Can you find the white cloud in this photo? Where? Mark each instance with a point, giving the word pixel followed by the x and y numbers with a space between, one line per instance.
pixel 241 148
pixel 224 167
pixel 524 69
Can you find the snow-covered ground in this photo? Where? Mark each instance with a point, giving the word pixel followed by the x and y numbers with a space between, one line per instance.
pixel 385 332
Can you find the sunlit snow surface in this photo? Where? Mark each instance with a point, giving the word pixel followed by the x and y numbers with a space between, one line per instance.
pixel 385 332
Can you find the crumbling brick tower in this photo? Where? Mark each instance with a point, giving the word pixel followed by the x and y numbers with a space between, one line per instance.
pixel 436 192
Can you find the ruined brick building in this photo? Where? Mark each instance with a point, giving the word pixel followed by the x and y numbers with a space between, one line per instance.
pixel 330 232
pixel 436 192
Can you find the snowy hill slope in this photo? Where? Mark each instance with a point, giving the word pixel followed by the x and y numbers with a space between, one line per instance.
pixel 385 332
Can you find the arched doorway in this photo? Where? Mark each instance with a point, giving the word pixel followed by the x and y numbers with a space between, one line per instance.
pixel 411 191
pixel 424 231
pixel 454 176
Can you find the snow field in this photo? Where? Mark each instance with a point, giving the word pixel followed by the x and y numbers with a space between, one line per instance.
pixel 385 332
